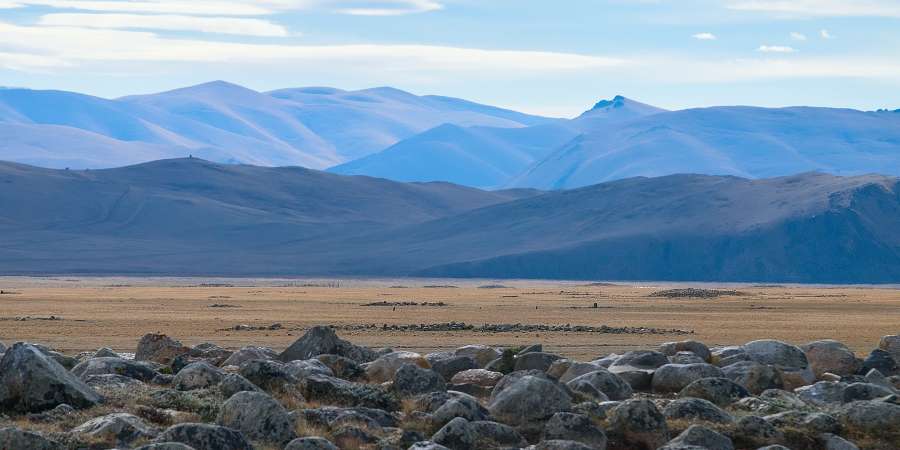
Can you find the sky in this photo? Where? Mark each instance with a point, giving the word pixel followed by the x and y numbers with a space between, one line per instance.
pixel 551 57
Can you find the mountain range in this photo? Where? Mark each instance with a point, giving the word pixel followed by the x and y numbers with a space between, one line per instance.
pixel 190 216
pixel 224 122
pixel 388 133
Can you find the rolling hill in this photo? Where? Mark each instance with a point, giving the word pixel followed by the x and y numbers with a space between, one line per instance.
pixel 223 122
pixel 189 216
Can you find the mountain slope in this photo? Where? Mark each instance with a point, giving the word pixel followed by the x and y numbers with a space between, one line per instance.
pixel 312 127
pixel 743 141
pixel 482 157
pixel 805 228
pixel 486 157
pixel 194 217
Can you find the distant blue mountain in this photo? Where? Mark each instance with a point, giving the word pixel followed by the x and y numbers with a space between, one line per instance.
pixel 744 141
pixel 219 121
pixel 486 157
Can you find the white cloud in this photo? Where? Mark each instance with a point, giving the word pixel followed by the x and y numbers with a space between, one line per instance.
pixel 10 5
pixel 110 46
pixel 776 49
pixel 224 25
pixel 705 36
pixel 825 34
pixel 385 7
pixel 237 7
pixel 798 36
pixel 821 8
pixel 198 7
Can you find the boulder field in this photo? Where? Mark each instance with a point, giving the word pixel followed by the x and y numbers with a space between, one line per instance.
pixel 326 393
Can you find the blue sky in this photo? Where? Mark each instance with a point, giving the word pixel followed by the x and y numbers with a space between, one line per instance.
pixel 551 57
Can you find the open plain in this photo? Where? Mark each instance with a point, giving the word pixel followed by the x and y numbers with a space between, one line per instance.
pixel 74 314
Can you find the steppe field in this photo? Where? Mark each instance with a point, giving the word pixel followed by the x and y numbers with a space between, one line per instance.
pixel 74 314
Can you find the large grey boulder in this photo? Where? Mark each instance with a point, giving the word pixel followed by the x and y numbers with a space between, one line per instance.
pixel 638 424
pixel 343 368
pixel 115 366
pixel 159 348
pixel 30 381
pixel 268 375
pixel 696 409
pixel 891 344
pixel 568 370
pixel 528 399
pixel 789 359
pixel 872 417
pixel 203 436
pixel 386 366
pixel 165 446
pixel 559 444
pixel 865 391
pixel 13 439
pixel 250 353
pixel 449 366
pixel 830 356
pixel 413 380
pixel 823 393
pixel 610 384
pixel 478 377
pixel 197 375
pixel 686 358
pixel 641 359
pixel 720 391
pixel 698 348
pixel 310 443
pixel 496 435
pixel 456 435
pixel 675 377
pixel 812 422
pixel 324 341
pixel 446 406
pixel 334 391
pixel 119 429
pixel 701 437
pixel 834 442
pixel 881 361
pixel 482 354
pixel 233 383
pixel 754 431
pixel 754 376
pixel 535 361
pixel 301 369
pixel 258 416
pixel 574 427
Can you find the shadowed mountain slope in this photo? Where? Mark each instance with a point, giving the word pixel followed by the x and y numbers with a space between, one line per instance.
pixel 194 217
